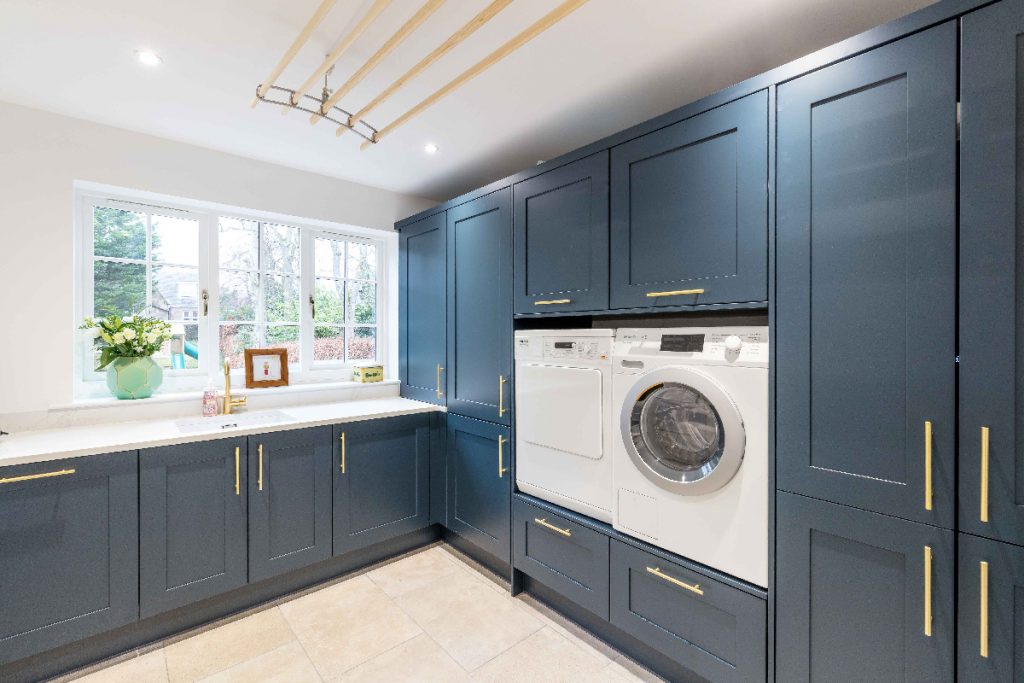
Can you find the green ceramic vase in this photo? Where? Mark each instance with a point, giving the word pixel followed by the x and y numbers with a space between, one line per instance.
pixel 131 378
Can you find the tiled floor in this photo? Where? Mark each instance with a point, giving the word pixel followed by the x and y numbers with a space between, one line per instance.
pixel 430 616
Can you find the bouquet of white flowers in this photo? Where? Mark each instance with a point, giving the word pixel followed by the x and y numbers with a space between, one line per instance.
pixel 131 337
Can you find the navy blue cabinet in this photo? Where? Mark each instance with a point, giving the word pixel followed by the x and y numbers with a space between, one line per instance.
pixel 290 489
pixel 480 308
pixel 479 456
pixel 422 301
pixel 866 280
pixel 561 238
pixel 689 210
pixel 991 275
pixel 381 480
pixel 69 542
pixel 193 535
pixel 861 596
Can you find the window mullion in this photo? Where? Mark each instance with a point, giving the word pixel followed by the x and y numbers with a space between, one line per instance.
pixel 209 327
pixel 306 292
pixel 149 262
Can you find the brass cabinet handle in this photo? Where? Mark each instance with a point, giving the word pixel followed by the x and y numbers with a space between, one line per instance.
pixel 984 474
pixel 260 480
pixel 676 292
pixel 238 471
pixel 501 457
pixel 501 395
pixel 928 465
pixel 544 523
pixel 343 452
pixel 983 566
pixel 928 591
pixel 693 588
pixel 552 302
pixel 30 477
pixel 440 369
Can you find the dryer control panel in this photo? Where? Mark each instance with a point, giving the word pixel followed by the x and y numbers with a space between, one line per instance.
pixel 720 345
pixel 564 347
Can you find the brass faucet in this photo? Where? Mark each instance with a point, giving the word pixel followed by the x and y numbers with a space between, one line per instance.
pixel 229 402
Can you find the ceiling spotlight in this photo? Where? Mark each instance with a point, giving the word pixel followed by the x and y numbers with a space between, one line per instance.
pixel 430 148
pixel 148 57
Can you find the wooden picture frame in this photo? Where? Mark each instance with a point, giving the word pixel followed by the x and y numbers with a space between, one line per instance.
pixel 275 368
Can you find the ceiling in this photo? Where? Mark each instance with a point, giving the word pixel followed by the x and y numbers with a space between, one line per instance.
pixel 607 66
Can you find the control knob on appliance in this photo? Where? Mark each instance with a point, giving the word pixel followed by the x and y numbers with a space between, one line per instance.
pixel 733 343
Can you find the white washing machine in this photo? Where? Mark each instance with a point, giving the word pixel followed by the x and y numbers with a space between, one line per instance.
pixel 564 419
pixel 690 457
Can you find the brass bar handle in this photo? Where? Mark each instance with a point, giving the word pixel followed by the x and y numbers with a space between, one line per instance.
pixel 693 588
pixel 501 457
pixel 928 591
pixel 983 649
pixel 31 477
pixel 260 480
pixel 342 452
pixel 552 302
pixel 238 471
pixel 544 523
pixel 984 474
pixel 501 395
pixel 675 292
pixel 440 369
pixel 928 465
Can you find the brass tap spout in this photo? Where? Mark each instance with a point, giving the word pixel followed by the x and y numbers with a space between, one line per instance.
pixel 230 403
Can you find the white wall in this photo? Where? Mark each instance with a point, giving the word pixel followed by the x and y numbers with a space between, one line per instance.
pixel 42 154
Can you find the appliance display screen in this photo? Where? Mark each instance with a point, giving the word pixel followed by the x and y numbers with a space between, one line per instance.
pixel 682 343
pixel 565 345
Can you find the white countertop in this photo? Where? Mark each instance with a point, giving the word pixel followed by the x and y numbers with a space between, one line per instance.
pixel 71 442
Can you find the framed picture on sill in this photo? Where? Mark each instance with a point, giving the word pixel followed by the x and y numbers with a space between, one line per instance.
pixel 266 368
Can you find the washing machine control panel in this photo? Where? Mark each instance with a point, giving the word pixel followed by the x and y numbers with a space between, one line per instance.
pixel 700 344
pixel 592 349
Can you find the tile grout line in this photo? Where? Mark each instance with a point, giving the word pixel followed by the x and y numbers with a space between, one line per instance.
pixel 301 644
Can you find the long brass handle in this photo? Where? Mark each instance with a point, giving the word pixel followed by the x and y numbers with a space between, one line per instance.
pixel 928 591
pixel 983 650
pixel 552 302
pixel 440 369
pixel 693 588
pixel 501 395
pixel 984 474
pixel 501 457
pixel 343 452
pixel 927 464
pixel 675 292
pixel 260 480
pixel 547 525
pixel 238 471
pixel 30 477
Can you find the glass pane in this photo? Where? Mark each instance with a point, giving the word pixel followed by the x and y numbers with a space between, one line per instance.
pixel 182 351
pixel 175 293
pixel 281 298
pixel 681 428
pixel 238 244
pixel 280 249
pixel 117 233
pixel 234 339
pixel 362 302
pixel 328 343
pixel 239 293
pixel 118 288
pixel 284 337
pixel 362 261
pixel 362 344
pixel 175 240
pixel 330 257
pixel 330 301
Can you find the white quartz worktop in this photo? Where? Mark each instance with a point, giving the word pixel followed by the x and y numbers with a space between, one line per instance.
pixel 54 444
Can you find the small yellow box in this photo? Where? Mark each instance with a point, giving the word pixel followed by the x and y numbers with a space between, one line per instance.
pixel 368 373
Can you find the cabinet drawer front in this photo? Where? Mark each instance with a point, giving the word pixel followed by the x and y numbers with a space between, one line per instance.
pixel 713 629
pixel 563 555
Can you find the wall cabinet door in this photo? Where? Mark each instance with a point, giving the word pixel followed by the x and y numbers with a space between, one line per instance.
pixel 69 562
pixel 381 480
pixel 866 280
pixel 421 309
pixel 480 308
pixel 290 476
pixel 992 274
pixel 560 237
pixel 193 536
pixel 990 628
pixel 480 484
pixel 858 598
pixel 689 210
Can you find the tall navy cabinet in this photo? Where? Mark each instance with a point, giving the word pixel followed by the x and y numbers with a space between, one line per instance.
pixel 421 309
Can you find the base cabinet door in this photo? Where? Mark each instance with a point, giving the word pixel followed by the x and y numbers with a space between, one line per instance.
pixel 69 562
pixel 381 480
pixel 422 299
pixel 479 456
pixel 861 596
pixel 289 500
pixel 990 611
pixel 193 534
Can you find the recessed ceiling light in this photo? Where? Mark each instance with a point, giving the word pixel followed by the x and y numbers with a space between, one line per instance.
pixel 430 148
pixel 148 57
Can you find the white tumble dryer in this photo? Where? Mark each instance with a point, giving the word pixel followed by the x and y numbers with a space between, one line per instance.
pixel 563 418
pixel 690 454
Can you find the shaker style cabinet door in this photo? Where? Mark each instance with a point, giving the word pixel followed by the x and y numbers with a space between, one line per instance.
pixel 422 283
pixel 193 534
pixel 479 376
pixel 866 280
pixel 861 596
pixel 689 210
pixel 560 235
pixel 69 551
pixel 992 274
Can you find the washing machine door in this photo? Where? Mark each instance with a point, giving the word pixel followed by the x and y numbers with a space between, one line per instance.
pixel 682 430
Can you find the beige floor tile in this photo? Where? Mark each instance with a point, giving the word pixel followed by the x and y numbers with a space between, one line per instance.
pixel 420 660
pixel 150 667
pixel 471 622
pixel 545 656
pixel 579 636
pixel 625 670
pixel 286 664
pixel 223 647
pixel 414 571
pixel 347 624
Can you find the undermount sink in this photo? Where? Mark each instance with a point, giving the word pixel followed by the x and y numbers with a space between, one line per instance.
pixel 233 421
